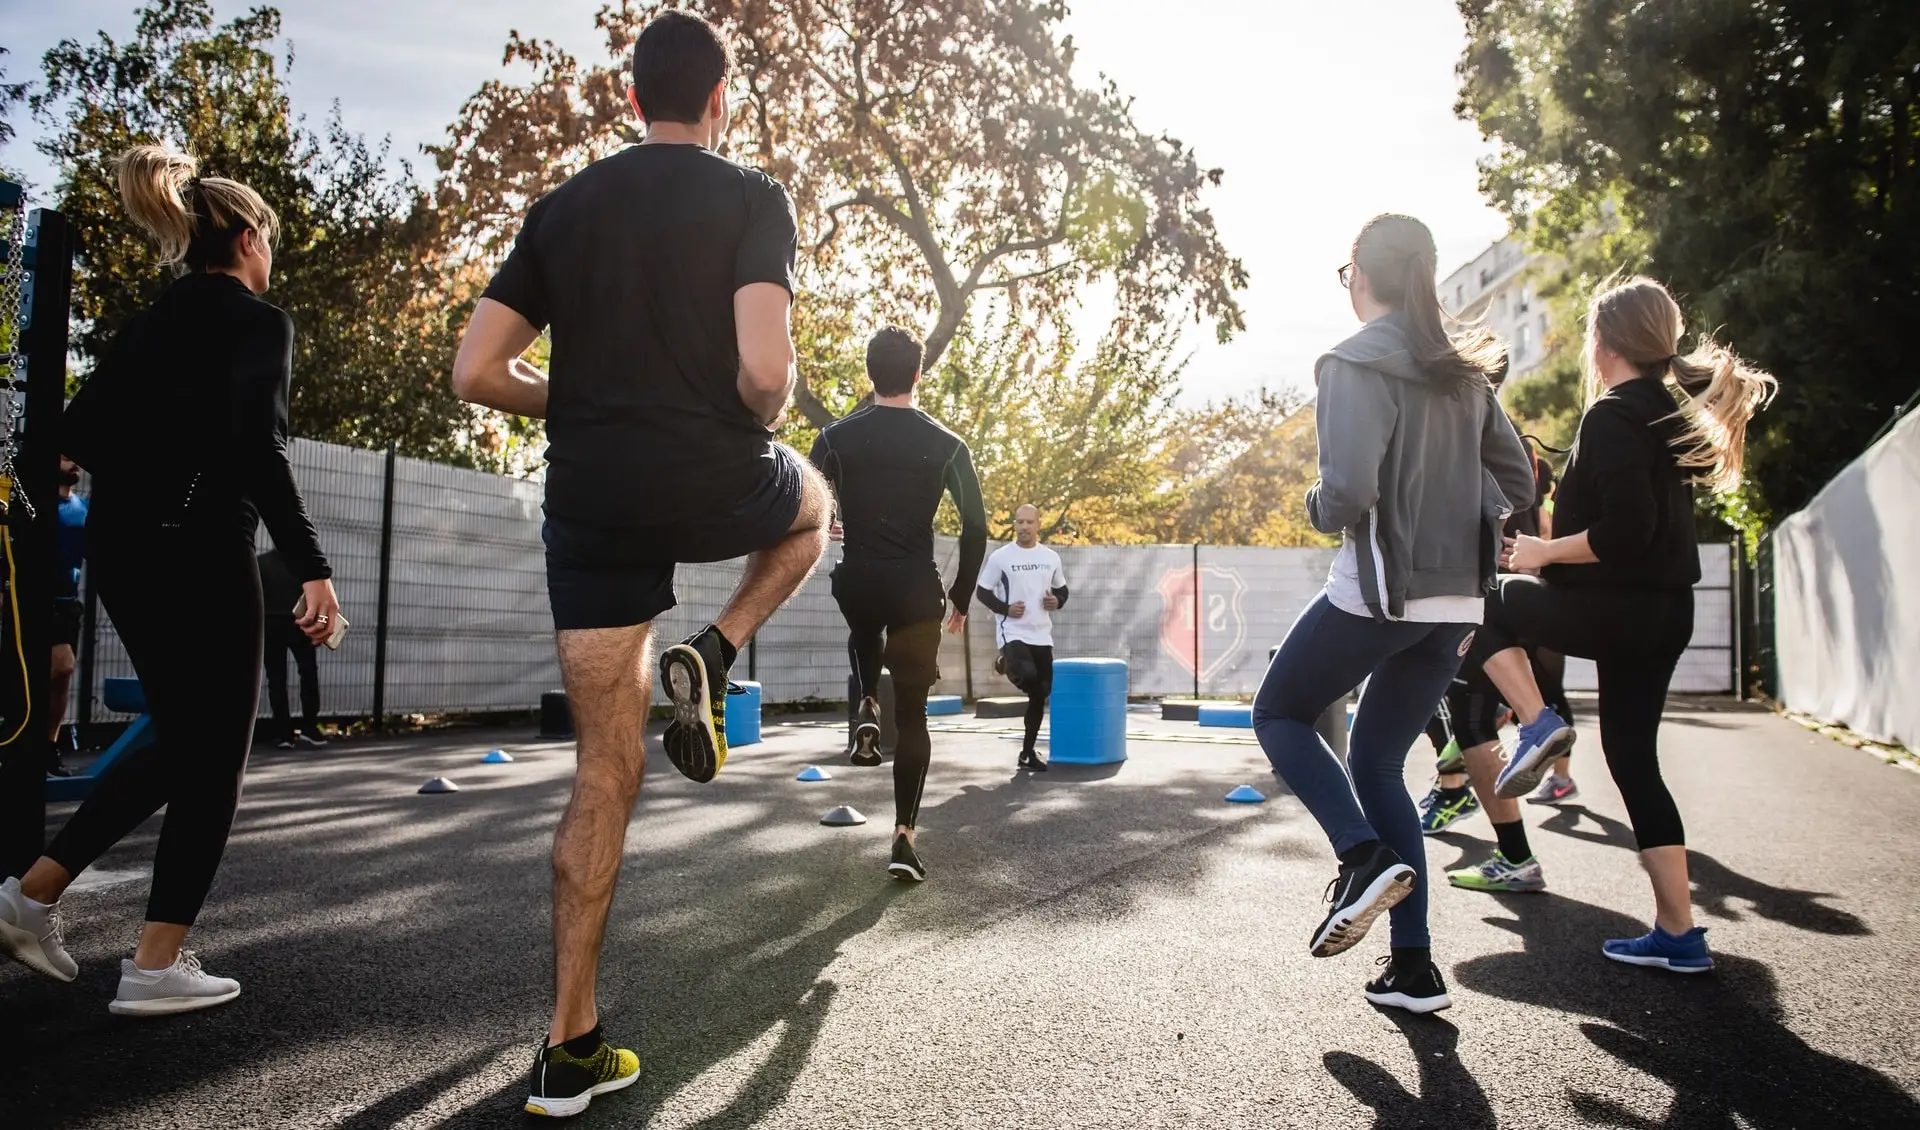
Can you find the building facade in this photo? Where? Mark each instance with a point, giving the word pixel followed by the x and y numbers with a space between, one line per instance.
pixel 1498 288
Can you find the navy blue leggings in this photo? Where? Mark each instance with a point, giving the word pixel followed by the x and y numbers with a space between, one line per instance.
pixel 1407 667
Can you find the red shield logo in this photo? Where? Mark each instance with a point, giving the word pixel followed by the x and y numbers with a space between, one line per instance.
pixel 1203 631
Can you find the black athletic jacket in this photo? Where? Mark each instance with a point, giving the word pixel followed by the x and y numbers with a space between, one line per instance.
pixel 184 425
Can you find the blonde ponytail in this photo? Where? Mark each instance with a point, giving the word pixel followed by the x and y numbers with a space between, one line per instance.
pixel 193 221
pixel 1640 321
pixel 1722 394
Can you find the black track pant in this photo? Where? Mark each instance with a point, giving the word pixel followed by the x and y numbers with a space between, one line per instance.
pixel 187 608
pixel 283 636
pixel 893 612
pixel 1030 667
pixel 1635 638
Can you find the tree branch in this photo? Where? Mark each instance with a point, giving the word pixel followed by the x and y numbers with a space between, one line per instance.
pixel 992 284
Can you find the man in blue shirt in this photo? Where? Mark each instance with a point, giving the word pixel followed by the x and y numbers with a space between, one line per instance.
pixel 66 606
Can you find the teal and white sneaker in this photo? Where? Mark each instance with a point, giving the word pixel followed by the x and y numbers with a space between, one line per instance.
pixel 1440 811
pixel 1500 875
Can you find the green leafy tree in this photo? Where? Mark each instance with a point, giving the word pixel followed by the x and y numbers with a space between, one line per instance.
pixel 1077 436
pixel 936 152
pixel 1237 472
pixel 1765 150
pixel 358 266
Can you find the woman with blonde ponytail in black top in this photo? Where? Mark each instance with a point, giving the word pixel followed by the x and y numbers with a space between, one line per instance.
pixel 184 430
pixel 1615 582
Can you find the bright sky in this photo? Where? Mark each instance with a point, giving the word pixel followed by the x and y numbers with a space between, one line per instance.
pixel 1322 114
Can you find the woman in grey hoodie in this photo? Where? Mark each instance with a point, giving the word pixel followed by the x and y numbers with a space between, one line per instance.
pixel 1418 468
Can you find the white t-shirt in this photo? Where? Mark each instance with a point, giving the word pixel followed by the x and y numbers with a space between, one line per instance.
pixel 1343 592
pixel 1024 576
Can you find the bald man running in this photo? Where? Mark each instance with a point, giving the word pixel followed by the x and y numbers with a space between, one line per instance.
pixel 1023 584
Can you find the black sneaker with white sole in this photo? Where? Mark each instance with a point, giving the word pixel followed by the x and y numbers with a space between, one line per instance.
pixel 566 1078
pixel 906 864
pixel 1360 893
pixel 863 745
pixel 696 680
pixel 1030 760
pixel 1422 991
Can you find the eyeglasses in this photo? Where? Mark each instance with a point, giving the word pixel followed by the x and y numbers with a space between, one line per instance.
pixel 1346 276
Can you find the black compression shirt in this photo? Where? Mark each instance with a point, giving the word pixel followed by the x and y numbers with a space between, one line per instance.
pixel 889 467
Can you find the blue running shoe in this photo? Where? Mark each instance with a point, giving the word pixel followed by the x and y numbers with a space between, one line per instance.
pixel 1540 745
pixel 1683 953
pixel 1440 812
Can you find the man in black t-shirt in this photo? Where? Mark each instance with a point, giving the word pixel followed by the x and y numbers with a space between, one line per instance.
pixel 889 464
pixel 664 275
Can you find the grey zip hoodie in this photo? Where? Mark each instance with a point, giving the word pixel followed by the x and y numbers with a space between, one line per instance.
pixel 1417 480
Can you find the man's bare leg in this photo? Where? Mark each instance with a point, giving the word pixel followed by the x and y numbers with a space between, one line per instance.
pixel 1483 766
pixel 773 575
pixel 608 677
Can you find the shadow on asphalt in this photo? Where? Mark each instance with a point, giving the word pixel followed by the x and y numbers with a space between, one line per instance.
pixel 365 918
pixel 1449 1094
pixel 1715 885
pixel 1718 1040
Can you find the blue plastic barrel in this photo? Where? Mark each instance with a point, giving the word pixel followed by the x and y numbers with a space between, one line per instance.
pixel 1236 714
pixel 1089 712
pixel 743 716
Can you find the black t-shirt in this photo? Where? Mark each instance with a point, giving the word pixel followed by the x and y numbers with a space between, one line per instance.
pixel 889 467
pixel 1624 487
pixel 632 265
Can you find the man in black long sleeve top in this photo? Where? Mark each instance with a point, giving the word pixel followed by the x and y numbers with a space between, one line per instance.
pixel 890 464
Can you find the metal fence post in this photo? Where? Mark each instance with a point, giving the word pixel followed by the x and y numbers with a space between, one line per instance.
pixel 380 620
pixel 1739 618
pixel 89 640
pixel 1196 619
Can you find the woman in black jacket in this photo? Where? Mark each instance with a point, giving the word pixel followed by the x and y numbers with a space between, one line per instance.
pixel 1615 582
pixel 184 430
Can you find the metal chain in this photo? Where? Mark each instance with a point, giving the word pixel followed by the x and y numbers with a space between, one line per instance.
pixel 12 301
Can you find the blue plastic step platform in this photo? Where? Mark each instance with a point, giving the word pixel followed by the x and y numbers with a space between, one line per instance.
pixel 939 704
pixel 1234 714
pixel 123 696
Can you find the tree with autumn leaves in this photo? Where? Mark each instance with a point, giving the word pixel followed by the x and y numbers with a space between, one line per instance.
pixel 948 173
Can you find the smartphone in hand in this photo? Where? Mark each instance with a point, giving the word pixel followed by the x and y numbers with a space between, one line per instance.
pixel 339 624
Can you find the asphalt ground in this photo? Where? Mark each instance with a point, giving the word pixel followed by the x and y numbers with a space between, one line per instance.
pixel 1111 947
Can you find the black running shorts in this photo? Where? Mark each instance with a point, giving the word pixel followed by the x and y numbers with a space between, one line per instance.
pixel 67 616
pixel 617 577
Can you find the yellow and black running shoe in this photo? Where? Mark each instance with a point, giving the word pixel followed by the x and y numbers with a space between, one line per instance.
pixel 566 1078
pixel 695 674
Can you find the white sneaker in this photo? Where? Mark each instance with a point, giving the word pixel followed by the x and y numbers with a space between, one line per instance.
pixel 31 933
pixel 181 987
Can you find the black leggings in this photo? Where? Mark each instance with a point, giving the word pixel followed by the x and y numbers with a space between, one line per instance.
pixel 187 609
pixel 1030 667
pixel 283 635
pixel 1635 638
pixel 893 615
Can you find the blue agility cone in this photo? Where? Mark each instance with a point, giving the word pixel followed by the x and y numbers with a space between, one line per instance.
pixel 497 757
pixel 843 817
pixel 439 785
pixel 814 773
pixel 1246 794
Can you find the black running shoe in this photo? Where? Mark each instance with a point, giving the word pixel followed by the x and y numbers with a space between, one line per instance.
pixel 1420 992
pixel 563 1083
pixel 906 865
pixel 696 681
pixel 1359 895
pixel 1030 760
pixel 863 747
